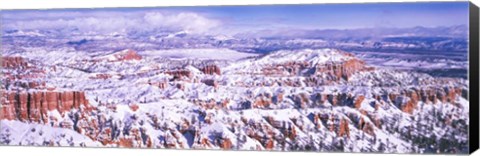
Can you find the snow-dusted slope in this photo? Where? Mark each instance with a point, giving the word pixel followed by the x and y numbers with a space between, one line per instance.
pixel 309 99
pixel 312 57
pixel 220 54
pixel 19 133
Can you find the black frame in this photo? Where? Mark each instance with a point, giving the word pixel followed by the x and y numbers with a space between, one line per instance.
pixel 474 78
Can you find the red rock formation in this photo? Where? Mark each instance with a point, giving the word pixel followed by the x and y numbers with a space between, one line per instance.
pixel 342 70
pixel 211 69
pixel 22 105
pixel 33 106
pixel 293 133
pixel 206 143
pixel 52 100
pixel 261 102
pixel 301 100
pixel 413 95
pixel 432 96
pixel 408 107
pixel 67 101
pixel 177 74
pixel 101 76
pixel 269 145
pixel 344 130
pixel 161 85
pixel 37 85
pixel 14 62
pixel 358 101
pixel 227 144
pixel 279 97
pixel 133 107
pixel 81 99
pixel 352 66
pixel 128 55
pixel 125 142
pixel 426 95
pixel 451 95
pixel 273 122
pixel 317 121
pixel 366 127
pixel 7 106
pixel 377 122
pixel 292 68
pixel 377 97
pixel 149 143
pixel 225 103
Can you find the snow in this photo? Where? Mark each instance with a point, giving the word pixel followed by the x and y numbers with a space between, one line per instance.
pixel 36 134
pixel 313 57
pixel 218 54
pixel 240 82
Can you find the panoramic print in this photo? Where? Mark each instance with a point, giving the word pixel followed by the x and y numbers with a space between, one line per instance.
pixel 371 77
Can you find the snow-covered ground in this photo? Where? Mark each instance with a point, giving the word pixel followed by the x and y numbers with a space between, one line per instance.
pixel 220 54
pixel 242 108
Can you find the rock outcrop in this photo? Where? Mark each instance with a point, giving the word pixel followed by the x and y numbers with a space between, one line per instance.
pixel 211 69
pixel 344 130
pixel 128 55
pixel 405 99
pixel 101 76
pixel 20 74
pixel 34 106
pixel 14 62
pixel 341 70
pixel 179 74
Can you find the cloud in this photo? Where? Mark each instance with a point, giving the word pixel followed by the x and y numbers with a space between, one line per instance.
pixel 106 22
pixel 187 21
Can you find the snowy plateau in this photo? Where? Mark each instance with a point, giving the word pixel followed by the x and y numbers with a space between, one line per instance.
pixel 217 95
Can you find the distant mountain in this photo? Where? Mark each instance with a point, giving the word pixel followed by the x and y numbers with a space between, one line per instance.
pixel 459 31
pixel 440 39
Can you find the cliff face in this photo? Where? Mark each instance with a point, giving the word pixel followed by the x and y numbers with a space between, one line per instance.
pixel 101 76
pixel 330 71
pixel 407 100
pixel 129 55
pixel 25 96
pixel 211 69
pixel 125 55
pixel 341 70
pixel 34 106
pixel 178 74
pixel 21 74
pixel 14 62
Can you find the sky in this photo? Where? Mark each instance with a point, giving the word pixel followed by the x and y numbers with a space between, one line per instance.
pixel 244 18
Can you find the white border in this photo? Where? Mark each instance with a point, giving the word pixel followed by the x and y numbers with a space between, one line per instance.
pixel 64 151
pixel 49 4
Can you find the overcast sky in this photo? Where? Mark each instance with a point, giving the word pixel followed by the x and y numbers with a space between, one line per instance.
pixel 243 18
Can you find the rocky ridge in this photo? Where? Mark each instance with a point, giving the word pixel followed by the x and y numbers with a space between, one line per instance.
pixel 325 100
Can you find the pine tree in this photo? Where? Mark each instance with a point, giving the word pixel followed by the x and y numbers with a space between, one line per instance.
pixel 5 137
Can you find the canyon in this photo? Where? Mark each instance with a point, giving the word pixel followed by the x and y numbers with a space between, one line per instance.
pixel 321 100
